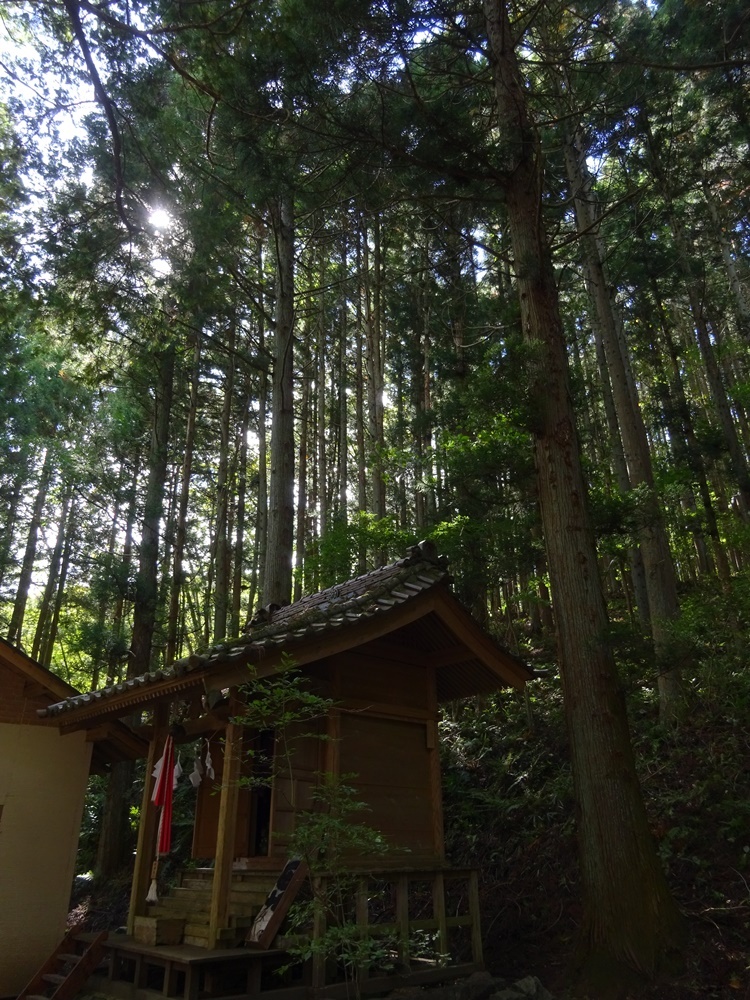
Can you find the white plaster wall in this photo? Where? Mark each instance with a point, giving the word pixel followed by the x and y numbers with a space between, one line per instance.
pixel 42 785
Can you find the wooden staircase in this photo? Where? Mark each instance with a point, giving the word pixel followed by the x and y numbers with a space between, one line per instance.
pixel 190 904
pixel 65 972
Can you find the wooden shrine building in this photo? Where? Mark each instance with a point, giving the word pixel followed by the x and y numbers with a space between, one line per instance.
pixel 386 648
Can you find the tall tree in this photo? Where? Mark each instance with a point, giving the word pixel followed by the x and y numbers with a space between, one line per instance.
pixel 277 582
pixel 630 919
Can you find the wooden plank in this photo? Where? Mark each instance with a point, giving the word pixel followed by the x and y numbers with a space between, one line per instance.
pixel 226 832
pixel 402 917
pixel 390 748
pixel 374 680
pixel 438 908
pixel 148 822
pixel 182 954
pixel 36 986
pixel 332 748
pixel 75 979
pixel 387 984
pixel 280 898
pixel 505 667
pixel 318 978
pixel 113 706
pixel 397 652
pixel 362 917
pixel 132 745
pixel 384 710
pixel 436 778
pixel 476 918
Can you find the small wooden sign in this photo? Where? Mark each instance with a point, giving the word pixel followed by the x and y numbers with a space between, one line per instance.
pixel 280 898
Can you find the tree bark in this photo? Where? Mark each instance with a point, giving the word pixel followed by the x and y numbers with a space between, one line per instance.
pixel 146 587
pixel 258 576
pixel 301 544
pixel 683 432
pixel 321 428
pixel 343 429
pixel 622 477
pixel 29 555
pixel 741 303
pixel 661 579
pixel 360 398
pixel 20 460
pixel 239 536
pixel 221 533
pixel 630 923
pixel 114 670
pixel 703 329
pixel 115 839
pixel 45 652
pixel 178 554
pixel 46 605
pixel 277 584
pixel 374 367
pixel 115 845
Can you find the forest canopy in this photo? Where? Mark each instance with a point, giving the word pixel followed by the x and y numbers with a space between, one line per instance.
pixel 289 286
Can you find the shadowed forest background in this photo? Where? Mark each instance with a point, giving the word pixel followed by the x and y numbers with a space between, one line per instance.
pixel 289 286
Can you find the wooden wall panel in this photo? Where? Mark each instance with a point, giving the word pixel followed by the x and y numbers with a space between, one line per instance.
pixel 207 804
pixel 20 698
pixel 393 764
pixel 297 765
pixel 376 680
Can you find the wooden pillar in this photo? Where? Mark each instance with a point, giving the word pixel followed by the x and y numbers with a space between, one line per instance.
pixel 476 919
pixel 148 822
pixel 438 909
pixel 225 837
pixel 436 781
pixel 332 743
pixel 362 913
pixel 402 918
pixel 320 892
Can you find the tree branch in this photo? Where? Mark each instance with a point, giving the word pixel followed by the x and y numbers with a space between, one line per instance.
pixel 71 6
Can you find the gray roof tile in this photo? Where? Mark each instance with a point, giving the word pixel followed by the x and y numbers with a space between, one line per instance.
pixel 344 604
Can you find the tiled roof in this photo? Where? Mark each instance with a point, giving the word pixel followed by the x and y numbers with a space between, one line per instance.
pixel 373 593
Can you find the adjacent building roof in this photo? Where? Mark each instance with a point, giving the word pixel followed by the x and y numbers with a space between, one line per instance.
pixel 36 686
pixel 408 601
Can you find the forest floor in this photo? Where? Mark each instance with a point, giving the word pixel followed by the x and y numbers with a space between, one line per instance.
pixel 696 782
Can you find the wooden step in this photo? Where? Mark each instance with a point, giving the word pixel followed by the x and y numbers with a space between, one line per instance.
pixel 196 927
pixel 242 907
pixel 241 891
pixel 197 934
pixel 203 877
pixel 159 928
pixel 67 985
pixel 172 906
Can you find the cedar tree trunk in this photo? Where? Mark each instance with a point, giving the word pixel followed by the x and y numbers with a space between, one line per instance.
pixel 630 923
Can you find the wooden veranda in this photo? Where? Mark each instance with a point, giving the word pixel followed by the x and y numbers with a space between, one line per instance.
pixel 427 922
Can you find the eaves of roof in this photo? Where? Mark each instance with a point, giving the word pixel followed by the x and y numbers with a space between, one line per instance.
pixel 335 619
pixel 116 741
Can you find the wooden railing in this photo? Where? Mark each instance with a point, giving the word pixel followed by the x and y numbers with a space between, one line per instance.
pixel 427 921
